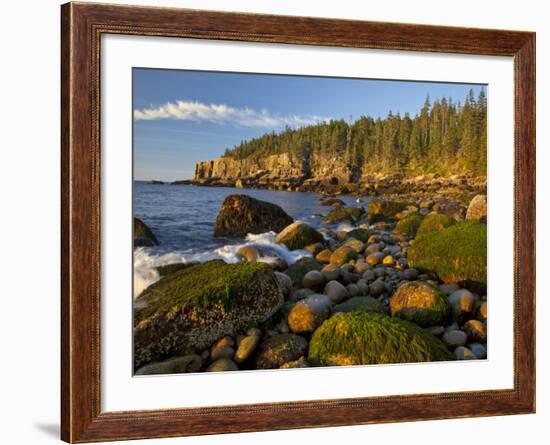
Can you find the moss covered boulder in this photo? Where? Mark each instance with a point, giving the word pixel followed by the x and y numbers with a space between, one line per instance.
pixel 383 210
pixel 457 254
pixel 409 225
pixel 363 337
pixel 298 270
pixel 279 349
pixel 143 235
pixel 434 222
pixel 188 310
pixel 298 235
pixel 242 214
pixel 167 269
pixel 420 303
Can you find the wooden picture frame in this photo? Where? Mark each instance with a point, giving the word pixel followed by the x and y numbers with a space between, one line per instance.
pixel 82 26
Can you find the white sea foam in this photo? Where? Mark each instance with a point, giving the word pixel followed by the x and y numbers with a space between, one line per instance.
pixel 146 260
pixel 345 227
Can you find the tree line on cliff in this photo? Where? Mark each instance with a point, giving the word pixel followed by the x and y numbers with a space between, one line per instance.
pixel 443 137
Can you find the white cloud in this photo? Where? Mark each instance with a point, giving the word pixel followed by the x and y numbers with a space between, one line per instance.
pixel 224 114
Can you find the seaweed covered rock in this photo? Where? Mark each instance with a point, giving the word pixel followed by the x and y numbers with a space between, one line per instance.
pixel 409 225
pixel 383 210
pixel 242 214
pixel 363 337
pixel 298 235
pixel 457 254
pixel 420 303
pixel 188 310
pixel 434 222
pixel 298 270
pixel 279 349
pixel 175 365
pixel 167 269
pixel 477 209
pixel 143 235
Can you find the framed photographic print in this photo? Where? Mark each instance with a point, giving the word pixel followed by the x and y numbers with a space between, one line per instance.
pixel 275 222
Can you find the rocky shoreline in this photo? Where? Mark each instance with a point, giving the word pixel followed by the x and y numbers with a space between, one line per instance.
pixel 405 282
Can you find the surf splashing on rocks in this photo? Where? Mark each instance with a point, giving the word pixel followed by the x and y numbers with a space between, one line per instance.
pixel 146 259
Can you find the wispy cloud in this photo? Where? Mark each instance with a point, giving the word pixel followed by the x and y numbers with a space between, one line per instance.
pixel 224 114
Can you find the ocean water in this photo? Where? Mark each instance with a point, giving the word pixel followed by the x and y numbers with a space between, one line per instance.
pixel 182 218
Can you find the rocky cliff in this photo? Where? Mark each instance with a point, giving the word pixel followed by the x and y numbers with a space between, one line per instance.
pixel 284 171
pixel 326 174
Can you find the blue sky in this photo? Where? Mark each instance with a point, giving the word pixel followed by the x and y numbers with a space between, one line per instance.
pixel 182 117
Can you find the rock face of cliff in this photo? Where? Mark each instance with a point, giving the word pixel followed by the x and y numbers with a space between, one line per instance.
pixel 322 173
pixel 282 171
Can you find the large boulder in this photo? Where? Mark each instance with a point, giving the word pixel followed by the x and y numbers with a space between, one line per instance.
pixel 298 235
pixel 188 310
pixel 420 303
pixel 279 349
pixel 143 235
pixel 457 254
pixel 241 214
pixel 364 337
pixel 434 222
pixel 477 210
pixel 383 210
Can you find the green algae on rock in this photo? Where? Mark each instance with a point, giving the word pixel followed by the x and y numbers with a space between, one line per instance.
pixel 434 222
pixel 188 310
pixel 457 254
pixel 363 337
